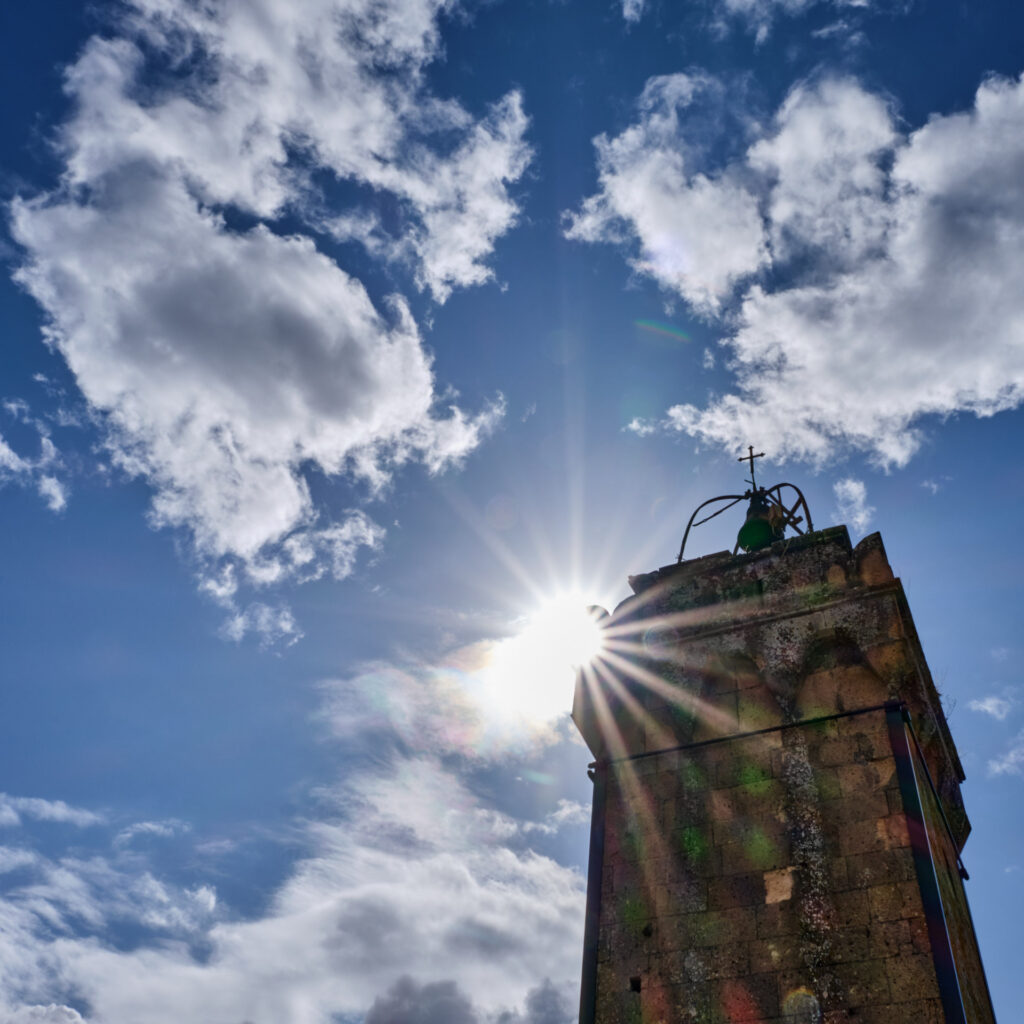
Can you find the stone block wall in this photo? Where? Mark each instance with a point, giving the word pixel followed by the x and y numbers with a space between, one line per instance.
pixel 756 863
pixel 763 879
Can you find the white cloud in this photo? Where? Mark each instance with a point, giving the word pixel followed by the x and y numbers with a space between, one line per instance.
pixel 852 500
pixel 568 812
pixel 36 471
pixel 481 700
pixel 50 1014
pixel 443 1002
pixel 895 260
pixel 18 408
pixel 827 182
pixel 10 462
pixel 997 707
pixel 14 808
pixel 53 492
pixel 406 871
pixel 641 427
pixel 1010 763
pixel 758 15
pixel 13 857
pixel 224 355
pixel 438 1002
pixel 697 234
pixel 160 829
pixel 633 10
pixel 273 624
pixel 411 879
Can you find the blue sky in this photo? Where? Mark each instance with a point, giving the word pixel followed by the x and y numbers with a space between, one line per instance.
pixel 346 344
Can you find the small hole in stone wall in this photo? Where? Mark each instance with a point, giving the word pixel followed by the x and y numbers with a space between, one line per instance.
pixel 648 930
pixel 634 984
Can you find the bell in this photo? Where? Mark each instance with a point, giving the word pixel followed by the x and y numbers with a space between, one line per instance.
pixel 761 527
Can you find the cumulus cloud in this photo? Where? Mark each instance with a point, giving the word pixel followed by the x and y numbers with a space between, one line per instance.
pixel 549 1004
pixel 826 180
pixel 224 354
pixel 695 233
pixel 439 1002
pixel 568 812
pixel 53 492
pixel 871 280
pixel 409 877
pixel 443 1002
pixel 852 501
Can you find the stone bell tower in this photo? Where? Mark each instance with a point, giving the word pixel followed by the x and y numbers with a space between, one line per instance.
pixel 777 822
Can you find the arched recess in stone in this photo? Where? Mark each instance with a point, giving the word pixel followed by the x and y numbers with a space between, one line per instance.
pixel 835 677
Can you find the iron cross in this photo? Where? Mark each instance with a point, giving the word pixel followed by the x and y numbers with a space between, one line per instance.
pixel 750 458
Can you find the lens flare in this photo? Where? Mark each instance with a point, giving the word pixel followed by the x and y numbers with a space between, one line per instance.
pixel 665 330
pixel 801 1007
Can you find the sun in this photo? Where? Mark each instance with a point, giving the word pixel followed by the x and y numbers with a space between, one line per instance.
pixel 564 630
pixel 531 674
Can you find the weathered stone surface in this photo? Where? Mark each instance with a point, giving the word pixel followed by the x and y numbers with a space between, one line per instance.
pixel 757 861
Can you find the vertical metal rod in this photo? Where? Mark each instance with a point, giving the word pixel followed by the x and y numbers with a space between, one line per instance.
pixel 924 866
pixel 984 975
pixel 595 866
pixel 964 876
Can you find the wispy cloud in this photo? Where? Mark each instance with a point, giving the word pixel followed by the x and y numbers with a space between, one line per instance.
pixel 758 15
pixel 1011 762
pixel 13 857
pixel 51 1013
pixel 273 624
pixel 33 470
pixel 14 808
pixel 164 829
pixel 633 10
pixel 997 707
pixel 641 427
